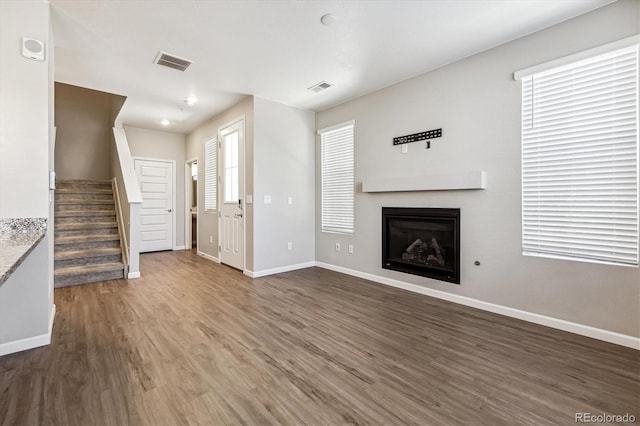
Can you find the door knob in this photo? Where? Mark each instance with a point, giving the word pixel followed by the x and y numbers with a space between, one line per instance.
pixel 169 210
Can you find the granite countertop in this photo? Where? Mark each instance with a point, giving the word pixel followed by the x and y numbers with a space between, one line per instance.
pixel 18 237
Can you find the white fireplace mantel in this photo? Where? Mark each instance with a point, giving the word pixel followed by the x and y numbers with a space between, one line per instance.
pixel 432 182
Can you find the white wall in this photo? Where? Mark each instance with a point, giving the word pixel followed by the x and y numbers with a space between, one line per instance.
pixel 283 167
pixel 24 112
pixel 26 156
pixel 152 144
pixel 477 104
pixel 208 221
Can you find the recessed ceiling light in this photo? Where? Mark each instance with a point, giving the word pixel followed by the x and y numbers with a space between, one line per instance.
pixel 165 122
pixel 190 100
pixel 328 19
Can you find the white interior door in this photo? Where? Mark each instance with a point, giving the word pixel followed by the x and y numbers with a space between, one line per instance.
pixel 232 195
pixel 156 213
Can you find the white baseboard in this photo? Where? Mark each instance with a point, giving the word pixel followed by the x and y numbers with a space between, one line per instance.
pixel 265 272
pixel 208 256
pixel 29 342
pixel 572 327
pixel 132 275
pixel 180 248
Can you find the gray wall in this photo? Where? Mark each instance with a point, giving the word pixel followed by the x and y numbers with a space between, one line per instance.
pixel 283 167
pixel 26 143
pixel 152 144
pixel 84 119
pixel 208 222
pixel 24 298
pixel 477 104
pixel 24 112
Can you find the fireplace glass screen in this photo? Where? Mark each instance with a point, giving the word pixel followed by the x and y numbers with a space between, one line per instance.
pixel 422 241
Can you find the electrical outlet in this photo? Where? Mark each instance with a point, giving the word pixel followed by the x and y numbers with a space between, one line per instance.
pixel 350 248
pixel 337 246
pixel 289 245
pixel 211 239
pixel 405 148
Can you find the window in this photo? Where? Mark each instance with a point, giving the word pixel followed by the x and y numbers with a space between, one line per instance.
pixel 337 185
pixel 210 174
pixel 231 167
pixel 580 158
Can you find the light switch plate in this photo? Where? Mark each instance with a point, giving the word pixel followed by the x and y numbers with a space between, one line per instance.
pixel 289 200
pixel 267 199
pixel 248 199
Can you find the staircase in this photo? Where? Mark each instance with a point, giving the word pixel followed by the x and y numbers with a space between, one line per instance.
pixel 87 242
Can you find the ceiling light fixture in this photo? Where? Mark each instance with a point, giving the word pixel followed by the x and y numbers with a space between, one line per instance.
pixel 328 19
pixel 190 100
pixel 165 122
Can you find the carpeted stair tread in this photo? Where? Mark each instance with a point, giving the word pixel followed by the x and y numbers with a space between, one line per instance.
pixel 71 213
pixel 89 269
pixel 74 254
pixel 66 191
pixel 84 201
pixel 83 225
pixel 72 239
pixel 83 181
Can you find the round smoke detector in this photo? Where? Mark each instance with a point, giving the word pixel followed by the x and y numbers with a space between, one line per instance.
pixel 328 19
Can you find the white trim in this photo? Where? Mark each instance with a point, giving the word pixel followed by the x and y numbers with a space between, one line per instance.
pixel 278 270
pixel 180 248
pixel 29 342
pixel 565 60
pixel 208 256
pixel 132 275
pixel 572 327
pixel 336 126
pixel 174 190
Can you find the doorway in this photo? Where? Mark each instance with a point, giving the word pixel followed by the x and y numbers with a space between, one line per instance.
pixel 231 227
pixel 157 212
pixel 191 203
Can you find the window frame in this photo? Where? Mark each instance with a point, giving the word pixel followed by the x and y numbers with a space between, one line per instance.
pixel 579 239
pixel 329 221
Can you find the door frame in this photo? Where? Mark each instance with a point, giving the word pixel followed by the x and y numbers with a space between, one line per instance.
pixel 187 205
pixel 241 119
pixel 175 194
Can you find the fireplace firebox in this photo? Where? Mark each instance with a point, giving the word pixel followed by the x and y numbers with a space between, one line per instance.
pixel 422 241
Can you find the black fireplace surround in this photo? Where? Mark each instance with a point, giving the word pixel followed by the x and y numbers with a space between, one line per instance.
pixel 422 241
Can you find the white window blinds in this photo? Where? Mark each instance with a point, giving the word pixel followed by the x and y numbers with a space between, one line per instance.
pixel 210 174
pixel 337 178
pixel 580 159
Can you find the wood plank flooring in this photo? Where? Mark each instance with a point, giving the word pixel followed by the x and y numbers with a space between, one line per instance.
pixel 193 342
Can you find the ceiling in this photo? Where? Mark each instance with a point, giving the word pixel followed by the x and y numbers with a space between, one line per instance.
pixel 275 49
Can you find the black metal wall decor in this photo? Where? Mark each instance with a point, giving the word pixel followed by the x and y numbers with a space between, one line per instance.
pixel 416 137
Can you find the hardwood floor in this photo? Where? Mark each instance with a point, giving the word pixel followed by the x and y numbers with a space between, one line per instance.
pixel 192 342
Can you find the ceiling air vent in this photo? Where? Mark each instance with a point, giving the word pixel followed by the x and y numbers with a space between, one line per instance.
pixel 172 61
pixel 323 85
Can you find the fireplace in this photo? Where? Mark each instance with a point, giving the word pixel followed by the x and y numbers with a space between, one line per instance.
pixel 422 241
